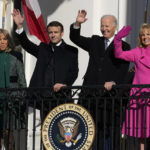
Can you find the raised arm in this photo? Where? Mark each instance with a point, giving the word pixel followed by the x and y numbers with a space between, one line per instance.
pixel 119 53
pixel 75 37
pixel 28 45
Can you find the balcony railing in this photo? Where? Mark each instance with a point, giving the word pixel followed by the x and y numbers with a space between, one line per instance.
pixel 22 112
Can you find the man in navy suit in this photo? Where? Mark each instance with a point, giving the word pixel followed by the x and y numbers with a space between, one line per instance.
pixel 103 69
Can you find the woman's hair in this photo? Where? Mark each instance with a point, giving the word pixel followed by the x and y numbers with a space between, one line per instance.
pixel 8 37
pixel 143 26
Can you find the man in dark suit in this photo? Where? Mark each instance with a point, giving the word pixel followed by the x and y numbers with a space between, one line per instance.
pixel 57 62
pixel 56 66
pixel 103 68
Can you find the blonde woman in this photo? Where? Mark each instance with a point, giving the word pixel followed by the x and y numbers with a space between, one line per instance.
pixel 138 113
pixel 11 70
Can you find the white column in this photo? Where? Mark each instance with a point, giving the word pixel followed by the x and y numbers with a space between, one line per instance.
pixel 122 14
pixel 1 12
pixel 8 17
pixel 37 129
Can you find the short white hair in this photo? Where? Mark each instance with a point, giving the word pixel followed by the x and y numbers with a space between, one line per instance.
pixel 112 16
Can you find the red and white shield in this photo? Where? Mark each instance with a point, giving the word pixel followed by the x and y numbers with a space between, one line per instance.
pixel 68 136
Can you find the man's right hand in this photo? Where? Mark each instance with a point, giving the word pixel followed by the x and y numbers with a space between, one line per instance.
pixel 18 18
pixel 81 18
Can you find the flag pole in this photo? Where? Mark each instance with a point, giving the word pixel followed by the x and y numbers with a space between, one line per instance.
pixel 4 11
pixel 145 11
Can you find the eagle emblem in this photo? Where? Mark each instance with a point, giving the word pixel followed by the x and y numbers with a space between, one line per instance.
pixel 68 128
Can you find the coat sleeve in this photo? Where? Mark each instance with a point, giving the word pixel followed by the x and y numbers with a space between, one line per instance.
pixel 73 68
pixel 125 55
pixel 28 46
pixel 122 66
pixel 20 72
pixel 81 41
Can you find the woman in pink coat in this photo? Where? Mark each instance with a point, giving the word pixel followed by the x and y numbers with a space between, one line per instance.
pixel 140 56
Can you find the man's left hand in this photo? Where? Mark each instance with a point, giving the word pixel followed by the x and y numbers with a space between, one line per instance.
pixel 108 85
pixel 58 86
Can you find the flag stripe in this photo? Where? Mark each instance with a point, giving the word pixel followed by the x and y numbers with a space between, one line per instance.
pixel 34 6
pixel 36 25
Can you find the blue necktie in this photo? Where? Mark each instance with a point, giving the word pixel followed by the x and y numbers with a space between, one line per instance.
pixel 106 43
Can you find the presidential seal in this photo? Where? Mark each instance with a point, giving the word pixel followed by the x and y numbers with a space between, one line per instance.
pixel 68 127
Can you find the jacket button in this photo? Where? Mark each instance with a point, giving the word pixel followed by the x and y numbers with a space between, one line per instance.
pixel 99 69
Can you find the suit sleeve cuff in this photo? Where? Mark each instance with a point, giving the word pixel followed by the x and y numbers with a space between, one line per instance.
pixel 19 31
pixel 75 27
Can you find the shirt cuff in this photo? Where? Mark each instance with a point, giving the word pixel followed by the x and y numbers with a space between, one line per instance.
pixel 75 27
pixel 19 31
pixel 114 83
